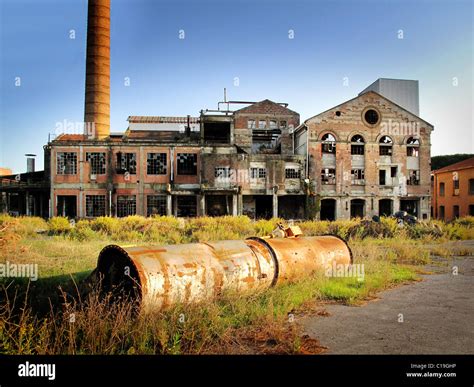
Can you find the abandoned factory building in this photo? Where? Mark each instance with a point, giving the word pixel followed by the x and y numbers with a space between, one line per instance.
pixel 221 163
pixel 368 156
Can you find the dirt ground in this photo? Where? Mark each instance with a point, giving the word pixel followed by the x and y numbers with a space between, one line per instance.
pixel 433 316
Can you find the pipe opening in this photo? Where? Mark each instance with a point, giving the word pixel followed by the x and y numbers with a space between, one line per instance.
pixel 118 275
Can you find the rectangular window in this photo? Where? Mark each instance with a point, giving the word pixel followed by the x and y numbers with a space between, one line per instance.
pixel 357 149
pixel 413 177
pixel 126 205
pixel 156 164
pixel 329 147
pixel 393 172
pixel 441 189
pixel 292 173
pixel 95 205
pixel 222 172
pixel 412 151
pixel 251 124
pixel 471 186
pixel 156 205
pixel 385 150
pixel 258 173
pixel 96 161
pixel 328 176
pixel 66 163
pixel 382 180
pixel 471 209
pixel 126 163
pixel 455 187
pixel 262 124
pixel 357 176
pixel 187 163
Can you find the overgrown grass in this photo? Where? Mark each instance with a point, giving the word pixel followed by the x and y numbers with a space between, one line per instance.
pixel 51 317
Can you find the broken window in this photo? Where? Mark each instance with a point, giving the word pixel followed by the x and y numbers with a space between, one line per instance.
pixel 251 124
pixel 393 172
pixel 126 205
pixel 413 177
pixel 283 124
pixel 413 147
pixel 441 189
pixel 273 124
pixel 328 143
pixel 357 176
pixel 156 205
pixel 222 172
pixel 456 187
pixel 385 146
pixel 258 173
pixel 95 205
pixel 66 206
pixel 292 173
pixel 126 162
pixel 357 145
pixel 96 161
pixel 217 132
pixel 186 206
pixel 187 163
pixel 262 124
pixel 328 176
pixel 66 163
pixel 156 164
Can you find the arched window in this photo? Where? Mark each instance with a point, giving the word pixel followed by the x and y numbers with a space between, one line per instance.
pixel 413 147
pixel 357 145
pixel 385 146
pixel 328 143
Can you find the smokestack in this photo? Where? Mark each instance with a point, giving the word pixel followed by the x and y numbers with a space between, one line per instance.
pixel 97 97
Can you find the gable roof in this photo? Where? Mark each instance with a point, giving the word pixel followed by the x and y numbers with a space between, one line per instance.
pixel 377 94
pixel 266 107
pixel 464 164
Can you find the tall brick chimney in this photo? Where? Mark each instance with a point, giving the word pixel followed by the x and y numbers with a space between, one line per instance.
pixel 97 96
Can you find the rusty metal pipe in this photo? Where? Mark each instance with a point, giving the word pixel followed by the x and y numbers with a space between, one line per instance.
pixel 160 276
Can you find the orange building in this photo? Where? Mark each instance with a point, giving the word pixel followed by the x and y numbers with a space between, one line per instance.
pixel 5 171
pixel 453 190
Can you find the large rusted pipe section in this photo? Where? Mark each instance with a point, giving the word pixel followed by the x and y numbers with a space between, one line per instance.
pixel 97 97
pixel 160 276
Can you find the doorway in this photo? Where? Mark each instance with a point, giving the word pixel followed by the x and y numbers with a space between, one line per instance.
pixel 385 207
pixel 328 210
pixel 357 208
pixel 67 206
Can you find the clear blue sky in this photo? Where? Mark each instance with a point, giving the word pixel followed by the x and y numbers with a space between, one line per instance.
pixel 228 39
